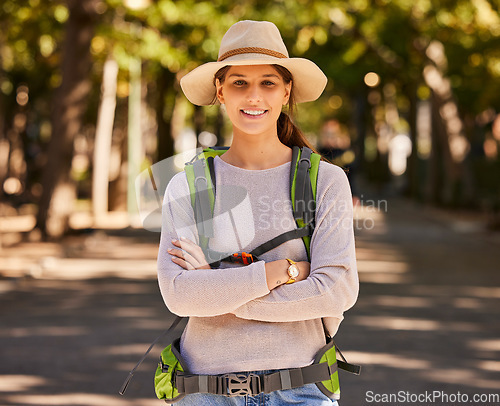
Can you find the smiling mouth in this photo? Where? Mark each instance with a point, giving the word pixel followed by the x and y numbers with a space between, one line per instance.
pixel 254 113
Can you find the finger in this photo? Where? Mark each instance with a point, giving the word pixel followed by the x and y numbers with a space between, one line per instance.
pixel 175 252
pixel 190 246
pixel 184 256
pixel 185 244
pixel 181 258
pixel 194 250
pixel 187 240
pixel 184 248
pixel 177 243
pixel 184 264
pixel 183 240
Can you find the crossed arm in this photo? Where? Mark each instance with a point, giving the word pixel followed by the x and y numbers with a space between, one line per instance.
pixel 190 256
pixel 326 287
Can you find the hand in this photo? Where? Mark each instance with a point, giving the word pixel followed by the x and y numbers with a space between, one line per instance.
pixel 189 255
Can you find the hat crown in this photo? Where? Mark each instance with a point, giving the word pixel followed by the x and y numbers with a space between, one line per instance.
pixel 253 43
pixel 253 34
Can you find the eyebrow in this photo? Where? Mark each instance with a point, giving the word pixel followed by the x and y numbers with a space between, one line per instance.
pixel 270 75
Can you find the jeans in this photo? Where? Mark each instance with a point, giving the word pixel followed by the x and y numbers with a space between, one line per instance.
pixel 305 395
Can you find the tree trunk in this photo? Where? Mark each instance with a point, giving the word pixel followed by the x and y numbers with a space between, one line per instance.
pixel 164 109
pixel 219 128
pixel 359 123
pixel 199 122
pixel 434 185
pixel 450 128
pixel 413 175
pixel 69 104
pixel 103 139
pixel 118 186
pixel 4 148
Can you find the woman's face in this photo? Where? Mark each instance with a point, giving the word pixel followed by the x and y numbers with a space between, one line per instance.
pixel 253 96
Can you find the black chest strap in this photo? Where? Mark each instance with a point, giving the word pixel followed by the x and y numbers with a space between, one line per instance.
pixel 214 257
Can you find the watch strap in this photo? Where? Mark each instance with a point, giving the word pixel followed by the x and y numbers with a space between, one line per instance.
pixel 291 279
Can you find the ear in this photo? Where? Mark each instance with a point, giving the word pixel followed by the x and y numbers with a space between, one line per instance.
pixel 219 92
pixel 288 91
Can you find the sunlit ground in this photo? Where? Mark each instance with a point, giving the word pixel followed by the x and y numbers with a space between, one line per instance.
pixel 77 316
pixel 76 399
pixel 428 310
pixel 95 255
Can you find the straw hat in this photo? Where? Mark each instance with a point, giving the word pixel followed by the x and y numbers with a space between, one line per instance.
pixel 254 43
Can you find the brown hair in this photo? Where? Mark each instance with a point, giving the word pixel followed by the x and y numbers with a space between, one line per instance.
pixel 288 133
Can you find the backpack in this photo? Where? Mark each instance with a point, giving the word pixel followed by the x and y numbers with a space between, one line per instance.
pixel 200 173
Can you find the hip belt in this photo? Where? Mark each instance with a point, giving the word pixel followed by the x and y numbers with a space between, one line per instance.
pixel 173 380
pixel 251 384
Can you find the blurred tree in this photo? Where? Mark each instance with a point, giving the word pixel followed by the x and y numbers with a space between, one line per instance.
pixel 28 40
pixel 396 40
pixel 68 108
pixel 103 140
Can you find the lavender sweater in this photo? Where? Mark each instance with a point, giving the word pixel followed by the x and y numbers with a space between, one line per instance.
pixel 235 322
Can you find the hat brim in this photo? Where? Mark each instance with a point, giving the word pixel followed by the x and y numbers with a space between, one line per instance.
pixel 308 79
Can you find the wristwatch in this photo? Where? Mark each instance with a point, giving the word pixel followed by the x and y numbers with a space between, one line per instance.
pixel 293 271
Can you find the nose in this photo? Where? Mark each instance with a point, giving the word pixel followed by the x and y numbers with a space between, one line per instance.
pixel 253 94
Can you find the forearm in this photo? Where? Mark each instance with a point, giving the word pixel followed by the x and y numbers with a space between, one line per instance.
pixel 217 291
pixel 322 294
pixel 277 272
pixel 211 292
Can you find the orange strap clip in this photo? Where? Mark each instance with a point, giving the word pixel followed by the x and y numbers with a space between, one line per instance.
pixel 243 257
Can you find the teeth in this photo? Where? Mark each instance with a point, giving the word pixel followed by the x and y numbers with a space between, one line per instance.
pixel 254 112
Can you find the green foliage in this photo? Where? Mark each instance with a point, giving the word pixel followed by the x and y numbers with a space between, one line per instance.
pixel 29 41
pixel 346 39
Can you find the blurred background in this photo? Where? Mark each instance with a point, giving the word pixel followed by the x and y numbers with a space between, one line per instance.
pixel 90 99
pixel 89 96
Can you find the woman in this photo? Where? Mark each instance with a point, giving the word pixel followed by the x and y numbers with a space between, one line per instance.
pixel 263 316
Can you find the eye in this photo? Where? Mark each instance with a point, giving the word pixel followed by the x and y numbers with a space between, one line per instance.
pixel 268 83
pixel 239 82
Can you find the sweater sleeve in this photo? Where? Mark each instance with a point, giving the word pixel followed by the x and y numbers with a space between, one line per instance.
pixel 200 292
pixel 332 286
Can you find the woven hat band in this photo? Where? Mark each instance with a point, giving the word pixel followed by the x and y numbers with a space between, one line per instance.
pixel 251 50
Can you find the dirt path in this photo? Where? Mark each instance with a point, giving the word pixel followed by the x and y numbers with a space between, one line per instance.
pixel 426 319
pixel 426 322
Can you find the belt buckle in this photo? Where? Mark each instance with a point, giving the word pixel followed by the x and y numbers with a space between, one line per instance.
pixel 239 384
pixel 164 367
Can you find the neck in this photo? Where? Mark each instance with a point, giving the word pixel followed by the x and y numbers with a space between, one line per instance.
pixel 257 152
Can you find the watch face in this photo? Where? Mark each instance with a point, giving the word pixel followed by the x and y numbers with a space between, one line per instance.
pixel 293 271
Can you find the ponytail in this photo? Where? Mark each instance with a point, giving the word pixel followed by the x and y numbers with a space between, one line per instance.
pixel 291 135
pixel 288 133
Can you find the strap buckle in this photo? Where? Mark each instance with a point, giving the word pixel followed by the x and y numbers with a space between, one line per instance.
pixel 240 384
pixel 201 178
pixel 305 160
pixel 164 367
pixel 243 257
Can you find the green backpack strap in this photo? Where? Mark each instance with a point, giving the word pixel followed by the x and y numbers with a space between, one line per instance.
pixel 201 180
pixel 303 185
